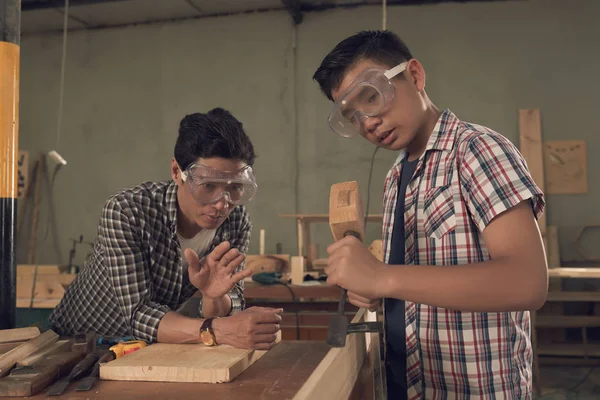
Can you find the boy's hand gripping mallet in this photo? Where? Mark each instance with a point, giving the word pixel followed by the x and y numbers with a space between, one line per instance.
pixel 346 217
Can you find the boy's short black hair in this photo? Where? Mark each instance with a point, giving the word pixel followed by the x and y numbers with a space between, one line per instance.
pixel 214 134
pixel 384 47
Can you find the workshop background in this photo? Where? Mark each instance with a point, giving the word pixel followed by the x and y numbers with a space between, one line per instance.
pixel 109 94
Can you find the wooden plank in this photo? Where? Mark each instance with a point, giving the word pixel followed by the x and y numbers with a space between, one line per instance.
pixel 567 272
pixel 18 334
pixel 530 133
pixel 8 360
pixel 553 250
pixel 6 347
pixel 565 163
pixel 29 269
pixel 300 228
pixel 325 217
pixel 60 346
pixel 298 270
pixel 573 296
pixel 567 321
pixel 48 292
pixel 572 360
pixel 337 373
pixel 573 350
pixel 163 362
pixel 39 376
pixel 261 250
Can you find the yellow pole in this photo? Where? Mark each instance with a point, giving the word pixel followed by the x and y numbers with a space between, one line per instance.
pixel 10 32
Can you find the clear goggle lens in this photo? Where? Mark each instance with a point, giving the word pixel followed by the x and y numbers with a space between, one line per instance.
pixel 367 97
pixel 208 185
pixel 363 101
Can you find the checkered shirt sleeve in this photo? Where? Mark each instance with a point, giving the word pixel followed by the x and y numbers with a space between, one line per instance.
pixel 494 178
pixel 124 260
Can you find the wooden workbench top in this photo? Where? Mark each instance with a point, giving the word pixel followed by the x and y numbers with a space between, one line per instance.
pixel 313 292
pixel 279 374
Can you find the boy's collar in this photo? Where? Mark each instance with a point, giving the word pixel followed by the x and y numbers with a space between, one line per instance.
pixel 442 137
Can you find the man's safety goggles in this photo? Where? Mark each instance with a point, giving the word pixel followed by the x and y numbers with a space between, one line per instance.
pixel 209 185
pixel 368 96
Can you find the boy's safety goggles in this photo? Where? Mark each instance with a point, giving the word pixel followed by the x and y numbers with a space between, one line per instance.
pixel 209 185
pixel 369 94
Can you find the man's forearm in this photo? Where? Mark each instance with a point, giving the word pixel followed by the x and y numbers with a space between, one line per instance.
pixel 176 328
pixel 218 307
pixel 492 286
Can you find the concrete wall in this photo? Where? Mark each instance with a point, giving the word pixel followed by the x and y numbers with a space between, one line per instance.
pixel 127 88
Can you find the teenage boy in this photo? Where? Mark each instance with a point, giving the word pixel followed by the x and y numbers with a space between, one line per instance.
pixel 464 259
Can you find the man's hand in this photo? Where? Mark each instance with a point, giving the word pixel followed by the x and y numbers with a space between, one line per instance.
pixel 364 302
pixel 253 328
pixel 214 276
pixel 352 266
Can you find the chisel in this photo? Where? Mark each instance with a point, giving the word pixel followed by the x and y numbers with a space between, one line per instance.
pixel 77 372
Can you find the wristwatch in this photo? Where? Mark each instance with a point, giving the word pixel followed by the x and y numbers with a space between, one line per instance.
pixel 207 335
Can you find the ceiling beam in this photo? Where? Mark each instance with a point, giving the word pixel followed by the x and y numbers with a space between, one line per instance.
pixel 29 5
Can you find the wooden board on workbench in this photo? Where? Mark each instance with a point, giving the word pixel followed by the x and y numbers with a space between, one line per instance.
pixel 18 334
pixel 326 381
pixel 163 362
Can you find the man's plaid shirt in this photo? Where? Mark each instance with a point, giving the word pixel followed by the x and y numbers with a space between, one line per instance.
pixel 135 274
pixel 467 176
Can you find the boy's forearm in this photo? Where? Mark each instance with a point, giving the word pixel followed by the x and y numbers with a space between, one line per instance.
pixel 494 286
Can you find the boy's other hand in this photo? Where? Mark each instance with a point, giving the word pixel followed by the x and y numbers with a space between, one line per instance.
pixel 364 302
pixel 352 266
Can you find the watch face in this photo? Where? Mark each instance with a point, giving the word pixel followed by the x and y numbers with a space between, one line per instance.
pixel 207 338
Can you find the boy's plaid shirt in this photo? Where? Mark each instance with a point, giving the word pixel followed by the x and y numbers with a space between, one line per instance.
pixel 468 175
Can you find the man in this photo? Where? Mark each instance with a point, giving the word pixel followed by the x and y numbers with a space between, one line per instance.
pixel 160 243
pixel 464 259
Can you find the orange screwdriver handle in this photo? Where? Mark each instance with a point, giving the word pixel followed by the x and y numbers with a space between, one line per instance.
pixel 124 348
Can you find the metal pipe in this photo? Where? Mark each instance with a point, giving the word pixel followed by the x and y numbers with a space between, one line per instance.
pixel 10 33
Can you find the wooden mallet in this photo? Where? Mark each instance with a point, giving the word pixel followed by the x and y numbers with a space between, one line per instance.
pixel 346 217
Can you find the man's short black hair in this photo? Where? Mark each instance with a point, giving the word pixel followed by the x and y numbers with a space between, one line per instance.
pixel 214 134
pixel 383 47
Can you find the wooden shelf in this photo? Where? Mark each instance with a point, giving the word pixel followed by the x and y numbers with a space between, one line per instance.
pixel 567 321
pixel 324 217
pixel 573 350
pixel 573 296
pixel 568 272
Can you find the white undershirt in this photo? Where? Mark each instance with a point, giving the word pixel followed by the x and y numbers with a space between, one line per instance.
pixel 199 243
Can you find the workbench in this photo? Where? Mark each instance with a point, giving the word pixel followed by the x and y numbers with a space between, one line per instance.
pixel 306 318
pixel 278 375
